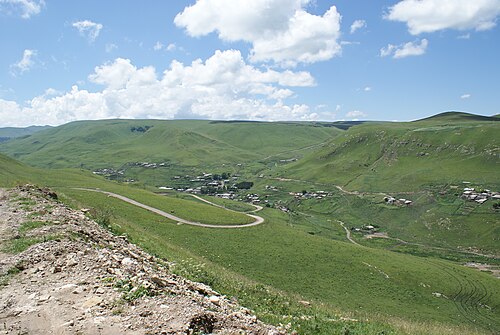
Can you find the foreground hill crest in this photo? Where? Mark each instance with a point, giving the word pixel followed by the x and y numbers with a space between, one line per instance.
pixel 62 272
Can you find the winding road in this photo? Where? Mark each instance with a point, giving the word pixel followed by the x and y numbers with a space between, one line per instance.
pixel 348 233
pixel 258 219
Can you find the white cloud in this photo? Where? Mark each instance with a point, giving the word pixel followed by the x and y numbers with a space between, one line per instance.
pixel 405 50
pixel 355 114
pixel 25 64
pixel 88 29
pixel 27 8
pixel 464 36
pixel 427 16
pixel 367 89
pixel 279 30
pixel 171 47
pixel 110 47
pixel 387 51
pixel 465 96
pixel 158 46
pixel 222 87
pixel 356 25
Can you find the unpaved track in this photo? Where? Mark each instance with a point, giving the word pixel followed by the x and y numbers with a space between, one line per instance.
pixel 258 219
pixel 348 233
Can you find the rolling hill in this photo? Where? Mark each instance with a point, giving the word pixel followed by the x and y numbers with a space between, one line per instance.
pixel 98 144
pixel 357 164
pixel 9 133
pixel 444 149
pixel 385 291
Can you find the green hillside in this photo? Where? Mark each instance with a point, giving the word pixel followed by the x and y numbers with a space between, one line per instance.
pixel 9 133
pixel 112 143
pixel 446 149
pixel 272 266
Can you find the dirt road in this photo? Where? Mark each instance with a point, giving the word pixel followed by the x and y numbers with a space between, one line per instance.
pixel 258 219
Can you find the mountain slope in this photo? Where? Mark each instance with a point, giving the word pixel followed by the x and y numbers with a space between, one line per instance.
pixel 8 133
pixel 98 144
pixel 372 284
pixel 444 149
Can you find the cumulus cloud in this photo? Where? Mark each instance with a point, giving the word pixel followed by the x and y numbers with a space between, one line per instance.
pixel 367 89
pixel 356 25
pixel 279 30
pixel 26 8
pixel 88 29
pixel 405 50
pixel 356 114
pixel 25 64
pixel 223 86
pixel 465 96
pixel 427 16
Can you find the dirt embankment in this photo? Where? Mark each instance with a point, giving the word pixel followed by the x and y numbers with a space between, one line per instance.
pixel 78 278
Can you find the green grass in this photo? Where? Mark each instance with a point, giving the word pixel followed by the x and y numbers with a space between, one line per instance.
pixel 322 269
pixel 18 245
pixel 31 225
pixel 94 144
pixel 304 255
pixel 233 205
pixel 405 156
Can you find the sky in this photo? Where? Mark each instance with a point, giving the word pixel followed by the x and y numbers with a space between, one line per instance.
pixel 272 60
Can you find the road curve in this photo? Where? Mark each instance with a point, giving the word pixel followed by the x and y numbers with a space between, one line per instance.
pixel 258 219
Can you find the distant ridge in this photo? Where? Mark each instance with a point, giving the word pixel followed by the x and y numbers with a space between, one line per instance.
pixel 460 116
pixel 8 133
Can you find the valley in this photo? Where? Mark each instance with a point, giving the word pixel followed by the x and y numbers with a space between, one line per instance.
pixel 365 224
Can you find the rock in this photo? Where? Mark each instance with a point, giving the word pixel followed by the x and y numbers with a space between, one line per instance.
pixel 94 301
pixel 78 290
pixel 128 262
pixel 70 323
pixel 145 313
pixel 44 298
pixel 214 299
pixel 158 281
pixel 305 303
pixel 55 269
pixel 100 290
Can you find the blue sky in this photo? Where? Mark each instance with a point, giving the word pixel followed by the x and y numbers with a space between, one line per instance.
pixel 236 59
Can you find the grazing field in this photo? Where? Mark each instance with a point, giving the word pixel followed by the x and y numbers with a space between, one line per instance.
pixel 338 278
pixel 330 239
pixel 398 157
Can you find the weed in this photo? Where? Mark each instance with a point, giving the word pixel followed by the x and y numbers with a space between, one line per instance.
pixel 5 278
pixel 18 245
pixel 101 216
pixel 131 292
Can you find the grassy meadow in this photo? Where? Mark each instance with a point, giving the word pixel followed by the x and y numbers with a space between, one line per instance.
pixel 409 281
pixel 280 261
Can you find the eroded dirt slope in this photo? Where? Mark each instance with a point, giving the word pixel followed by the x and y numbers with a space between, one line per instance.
pixel 78 278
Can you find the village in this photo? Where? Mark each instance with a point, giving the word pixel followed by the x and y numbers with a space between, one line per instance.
pixel 397 202
pixel 119 174
pixel 471 194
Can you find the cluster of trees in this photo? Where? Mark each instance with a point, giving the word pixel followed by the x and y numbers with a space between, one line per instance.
pixel 140 129
pixel 223 176
pixel 244 185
